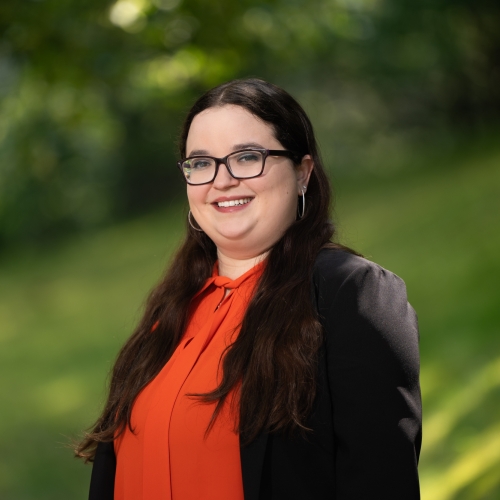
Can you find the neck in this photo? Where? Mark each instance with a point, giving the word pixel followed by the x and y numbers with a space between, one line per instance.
pixel 234 268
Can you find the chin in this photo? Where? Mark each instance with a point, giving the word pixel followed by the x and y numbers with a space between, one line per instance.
pixel 236 243
pixel 233 232
pixel 232 238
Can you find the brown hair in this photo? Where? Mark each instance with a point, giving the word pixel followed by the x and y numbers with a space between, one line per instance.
pixel 273 360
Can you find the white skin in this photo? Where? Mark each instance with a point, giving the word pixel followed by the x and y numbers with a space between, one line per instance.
pixel 243 234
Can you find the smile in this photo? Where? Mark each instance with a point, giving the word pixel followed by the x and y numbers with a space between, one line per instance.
pixel 233 203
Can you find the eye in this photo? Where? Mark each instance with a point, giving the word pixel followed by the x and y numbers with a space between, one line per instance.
pixel 248 157
pixel 198 163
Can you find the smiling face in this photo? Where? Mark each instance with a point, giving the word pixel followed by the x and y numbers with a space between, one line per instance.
pixel 244 218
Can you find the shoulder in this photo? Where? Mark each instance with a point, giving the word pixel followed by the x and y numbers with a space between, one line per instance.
pixel 337 265
pixel 364 307
pixel 339 272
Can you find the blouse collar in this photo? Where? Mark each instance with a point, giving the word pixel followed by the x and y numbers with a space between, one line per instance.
pixel 251 275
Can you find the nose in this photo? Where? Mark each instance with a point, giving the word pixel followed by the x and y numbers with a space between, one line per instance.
pixel 223 179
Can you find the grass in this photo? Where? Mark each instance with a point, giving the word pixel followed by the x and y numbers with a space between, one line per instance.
pixel 65 311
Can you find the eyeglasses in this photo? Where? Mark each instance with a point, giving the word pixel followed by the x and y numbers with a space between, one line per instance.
pixel 243 164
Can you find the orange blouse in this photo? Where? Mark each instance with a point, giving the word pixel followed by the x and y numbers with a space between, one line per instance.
pixel 169 456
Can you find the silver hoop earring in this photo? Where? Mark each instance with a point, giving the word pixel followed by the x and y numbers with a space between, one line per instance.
pixel 191 223
pixel 300 213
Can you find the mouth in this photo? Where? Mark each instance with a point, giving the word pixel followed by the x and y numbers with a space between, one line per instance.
pixel 233 203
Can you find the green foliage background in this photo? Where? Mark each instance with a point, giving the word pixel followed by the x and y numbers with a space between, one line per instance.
pixel 92 93
pixel 405 97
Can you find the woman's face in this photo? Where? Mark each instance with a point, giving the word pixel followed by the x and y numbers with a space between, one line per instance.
pixel 269 202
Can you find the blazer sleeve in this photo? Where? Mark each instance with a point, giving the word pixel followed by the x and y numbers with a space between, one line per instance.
pixel 373 374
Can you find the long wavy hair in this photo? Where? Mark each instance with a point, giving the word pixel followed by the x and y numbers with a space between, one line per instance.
pixel 273 361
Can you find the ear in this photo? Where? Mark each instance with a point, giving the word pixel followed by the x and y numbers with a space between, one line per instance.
pixel 303 172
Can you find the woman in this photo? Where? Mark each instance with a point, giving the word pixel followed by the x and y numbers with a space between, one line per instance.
pixel 270 363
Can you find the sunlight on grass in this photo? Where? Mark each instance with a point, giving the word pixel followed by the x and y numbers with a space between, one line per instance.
pixel 464 400
pixel 484 454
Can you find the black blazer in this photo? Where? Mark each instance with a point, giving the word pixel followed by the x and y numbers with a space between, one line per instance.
pixel 366 423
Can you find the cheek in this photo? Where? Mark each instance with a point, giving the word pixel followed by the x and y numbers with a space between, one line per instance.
pixel 195 195
pixel 282 203
pixel 282 194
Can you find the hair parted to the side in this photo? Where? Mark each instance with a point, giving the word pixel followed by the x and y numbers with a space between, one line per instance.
pixel 273 361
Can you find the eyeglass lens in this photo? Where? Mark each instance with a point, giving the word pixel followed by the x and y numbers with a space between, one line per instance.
pixel 243 164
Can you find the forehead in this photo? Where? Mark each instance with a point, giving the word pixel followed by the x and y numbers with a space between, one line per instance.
pixel 222 127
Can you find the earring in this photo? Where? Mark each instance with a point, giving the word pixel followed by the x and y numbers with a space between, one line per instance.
pixel 191 223
pixel 300 213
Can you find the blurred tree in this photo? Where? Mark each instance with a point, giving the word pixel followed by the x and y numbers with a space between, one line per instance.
pixel 91 94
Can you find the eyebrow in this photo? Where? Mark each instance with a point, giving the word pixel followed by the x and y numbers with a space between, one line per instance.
pixel 236 147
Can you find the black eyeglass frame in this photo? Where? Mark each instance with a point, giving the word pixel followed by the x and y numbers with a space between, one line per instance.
pixel 265 153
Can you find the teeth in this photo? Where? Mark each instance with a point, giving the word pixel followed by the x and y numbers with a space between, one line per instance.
pixel 233 203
